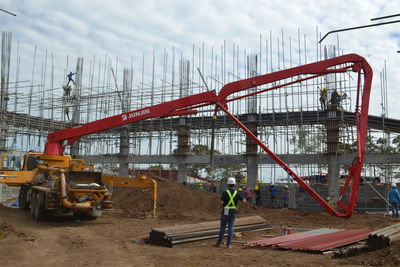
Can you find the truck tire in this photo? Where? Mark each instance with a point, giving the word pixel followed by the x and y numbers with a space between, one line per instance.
pixel 39 212
pixel 93 214
pixel 32 203
pixel 23 197
pixel 88 215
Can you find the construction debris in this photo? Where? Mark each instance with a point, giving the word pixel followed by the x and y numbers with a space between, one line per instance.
pixel 173 235
pixel 384 237
pixel 349 251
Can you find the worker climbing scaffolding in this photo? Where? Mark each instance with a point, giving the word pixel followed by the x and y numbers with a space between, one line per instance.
pixel 67 90
pixel 68 97
pixel 69 76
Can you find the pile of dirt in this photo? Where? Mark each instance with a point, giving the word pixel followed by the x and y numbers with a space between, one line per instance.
pixel 175 201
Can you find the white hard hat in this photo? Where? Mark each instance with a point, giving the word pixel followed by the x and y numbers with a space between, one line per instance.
pixel 231 180
pixel 394 185
pixel 286 186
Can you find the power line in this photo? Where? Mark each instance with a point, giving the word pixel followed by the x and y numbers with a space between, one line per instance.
pixel 8 12
pixel 358 27
pixel 385 17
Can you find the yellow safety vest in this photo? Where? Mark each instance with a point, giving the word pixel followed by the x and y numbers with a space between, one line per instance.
pixel 231 203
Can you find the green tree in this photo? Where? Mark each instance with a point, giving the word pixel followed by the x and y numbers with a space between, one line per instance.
pixel 306 142
pixel 396 142
pixel 156 167
pixel 220 173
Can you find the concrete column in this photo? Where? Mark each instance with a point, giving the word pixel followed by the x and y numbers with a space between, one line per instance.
pixel 76 113
pixel 252 155
pixel 332 129
pixel 251 146
pixel 183 150
pixel 124 132
pixel 124 151
pixel 183 131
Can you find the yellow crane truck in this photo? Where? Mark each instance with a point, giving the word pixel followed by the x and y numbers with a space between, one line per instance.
pixel 50 183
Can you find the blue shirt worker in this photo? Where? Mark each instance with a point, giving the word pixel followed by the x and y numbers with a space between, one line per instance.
pixel 70 78
pixel 273 190
pixel 230 198
pixel 394 199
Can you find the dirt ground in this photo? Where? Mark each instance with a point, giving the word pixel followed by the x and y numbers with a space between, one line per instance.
pixel 108 241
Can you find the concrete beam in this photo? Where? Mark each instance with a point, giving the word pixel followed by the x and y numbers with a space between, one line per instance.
pixel 242 159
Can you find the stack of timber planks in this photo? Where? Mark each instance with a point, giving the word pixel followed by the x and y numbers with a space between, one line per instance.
pixel 173 235
pixel 384 237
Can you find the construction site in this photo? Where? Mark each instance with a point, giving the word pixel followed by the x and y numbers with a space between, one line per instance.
pixel 122 161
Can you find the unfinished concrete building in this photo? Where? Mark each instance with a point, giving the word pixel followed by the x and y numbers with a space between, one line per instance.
pixel 311 139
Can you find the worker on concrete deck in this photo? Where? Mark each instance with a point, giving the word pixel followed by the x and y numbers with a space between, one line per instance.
pixel 323 98
pixel 229 198
pixel 334 98
pixel 394 199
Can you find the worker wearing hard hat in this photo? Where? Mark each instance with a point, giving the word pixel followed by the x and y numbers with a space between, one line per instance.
pixel 240 191
pixel 274 191
pixel 229 198
pixel 394 199
pixel 286 196
pixel 201 187
pixel 257 194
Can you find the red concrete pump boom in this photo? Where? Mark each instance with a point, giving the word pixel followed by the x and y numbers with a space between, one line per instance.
pixel 189 105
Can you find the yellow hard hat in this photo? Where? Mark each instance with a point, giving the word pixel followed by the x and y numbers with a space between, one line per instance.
pixel 200 184
pixel 256 188
pixel 328 198
pixel 240 189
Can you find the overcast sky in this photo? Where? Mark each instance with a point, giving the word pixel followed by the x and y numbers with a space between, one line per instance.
pixel 129 28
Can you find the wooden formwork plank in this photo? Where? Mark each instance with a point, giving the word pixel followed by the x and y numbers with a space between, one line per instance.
pixel 203 226
pixel 215 231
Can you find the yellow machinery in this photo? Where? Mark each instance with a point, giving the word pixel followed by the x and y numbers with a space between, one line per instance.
pixel 52 182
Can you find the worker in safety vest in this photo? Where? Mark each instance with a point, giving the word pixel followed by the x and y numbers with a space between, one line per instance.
pixel 323 98
pixel 229 198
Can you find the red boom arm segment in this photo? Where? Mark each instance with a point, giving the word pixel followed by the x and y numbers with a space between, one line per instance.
pixel 54 144
pixel 189 105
